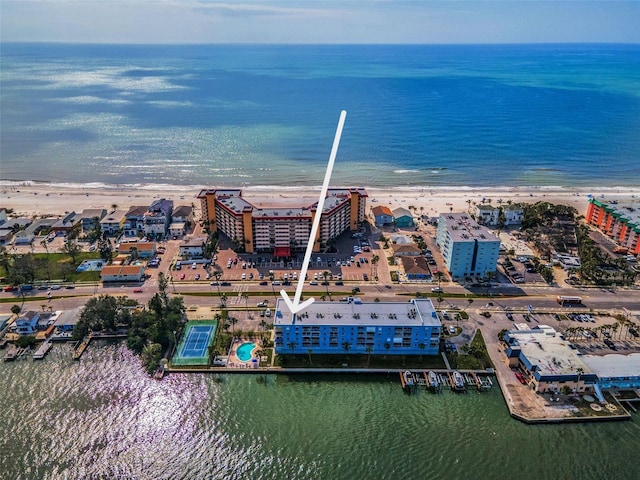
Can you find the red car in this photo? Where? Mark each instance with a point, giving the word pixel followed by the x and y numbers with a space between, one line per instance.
pixel 182 276
pixel 521 378
pixel 10 288
pixel 137 290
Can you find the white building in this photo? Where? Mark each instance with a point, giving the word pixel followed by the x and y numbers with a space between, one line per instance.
pixel 193 247
pixel 499 216
pixel 468 248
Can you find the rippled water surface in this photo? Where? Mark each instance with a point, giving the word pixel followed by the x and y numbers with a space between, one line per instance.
pixel 103 417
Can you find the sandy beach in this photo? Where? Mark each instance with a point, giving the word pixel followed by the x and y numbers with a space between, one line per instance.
pixel 49 199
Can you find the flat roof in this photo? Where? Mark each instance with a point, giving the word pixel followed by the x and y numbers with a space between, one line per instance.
pixel 462 227
pixel 68 317
pixel 614 365
pixel 547 350
pixel 418 312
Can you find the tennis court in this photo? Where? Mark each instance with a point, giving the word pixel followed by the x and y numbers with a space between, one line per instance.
pixel 192 349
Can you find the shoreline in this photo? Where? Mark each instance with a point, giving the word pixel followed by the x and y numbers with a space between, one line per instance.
pixel 29 198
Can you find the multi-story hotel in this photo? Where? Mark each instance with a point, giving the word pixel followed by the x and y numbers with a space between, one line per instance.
pixel 467 248
pixel 281 229
pixel 619 221
pixel 411 328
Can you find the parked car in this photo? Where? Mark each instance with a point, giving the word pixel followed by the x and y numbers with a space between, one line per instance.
pixel 137 290
pixel 197 277
pixel 182 276
pixel 225 284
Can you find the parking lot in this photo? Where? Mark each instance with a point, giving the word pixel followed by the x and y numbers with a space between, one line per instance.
pixel 351 262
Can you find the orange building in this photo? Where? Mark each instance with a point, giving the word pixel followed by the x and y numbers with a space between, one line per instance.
pixel 618 221
pixel 281 229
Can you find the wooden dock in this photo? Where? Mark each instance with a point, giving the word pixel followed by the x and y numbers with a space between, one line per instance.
pixel 11 354
pixel 40 353
pixel 82 347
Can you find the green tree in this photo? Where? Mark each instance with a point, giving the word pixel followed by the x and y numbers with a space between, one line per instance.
pixel 71 248
pixel 151 356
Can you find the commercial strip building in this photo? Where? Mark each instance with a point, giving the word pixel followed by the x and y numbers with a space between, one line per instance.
pixel 281 229
pixel 467 248
pixel 354 326
pixel 549 363
pixel 619 221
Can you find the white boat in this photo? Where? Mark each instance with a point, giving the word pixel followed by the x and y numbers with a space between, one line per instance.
pixel 434 382
pixel 409 380
pixel 458 381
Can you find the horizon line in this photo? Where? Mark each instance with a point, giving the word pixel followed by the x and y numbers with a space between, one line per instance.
pixel 377 44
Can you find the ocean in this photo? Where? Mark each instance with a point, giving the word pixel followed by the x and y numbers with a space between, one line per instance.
pixel 265 115
pixel 104 418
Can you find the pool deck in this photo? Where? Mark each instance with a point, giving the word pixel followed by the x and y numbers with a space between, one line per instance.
pixel 235 362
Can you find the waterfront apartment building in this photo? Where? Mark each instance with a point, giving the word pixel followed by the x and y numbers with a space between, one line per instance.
pixel 379 328
pixel 618 221
pixel 281 229
pixel 468 248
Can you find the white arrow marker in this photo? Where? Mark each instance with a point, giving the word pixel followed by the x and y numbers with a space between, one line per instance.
pixel 296 306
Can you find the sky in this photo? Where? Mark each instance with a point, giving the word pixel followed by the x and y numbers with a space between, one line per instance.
pixel 319 21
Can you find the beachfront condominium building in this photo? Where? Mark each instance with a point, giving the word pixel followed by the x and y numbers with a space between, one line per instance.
pixel 619 221
pixel 468 248
pixel 410 328
pixel 281 229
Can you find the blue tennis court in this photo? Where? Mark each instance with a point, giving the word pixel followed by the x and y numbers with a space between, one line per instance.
pixel 196 342
pixel 194 345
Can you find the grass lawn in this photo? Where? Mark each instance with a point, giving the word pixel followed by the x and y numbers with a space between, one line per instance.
pixel 59 267
pixel 361 361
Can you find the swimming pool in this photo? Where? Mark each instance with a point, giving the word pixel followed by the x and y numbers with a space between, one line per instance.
pixel 244 351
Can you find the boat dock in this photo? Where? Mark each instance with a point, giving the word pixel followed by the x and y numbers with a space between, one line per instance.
pixel 14 353
pixel 42 350
pixel 82 346
pixel 455 380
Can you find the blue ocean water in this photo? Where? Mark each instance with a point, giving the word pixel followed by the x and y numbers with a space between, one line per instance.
pixel 499 115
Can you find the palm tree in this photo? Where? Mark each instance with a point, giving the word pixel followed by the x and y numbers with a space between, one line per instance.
pixel 387 346
pixel 232 322
pixel 309 352
pixel 470 300
pixel 217 275
pixel 223 300
pixel 325 275
pixel 374 266
pixel 245 295
pixel 439 276
pixel 346 346
pixel 369 349
pixel 292 345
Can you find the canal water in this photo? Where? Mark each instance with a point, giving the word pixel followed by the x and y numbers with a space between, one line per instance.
pixel 104 418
